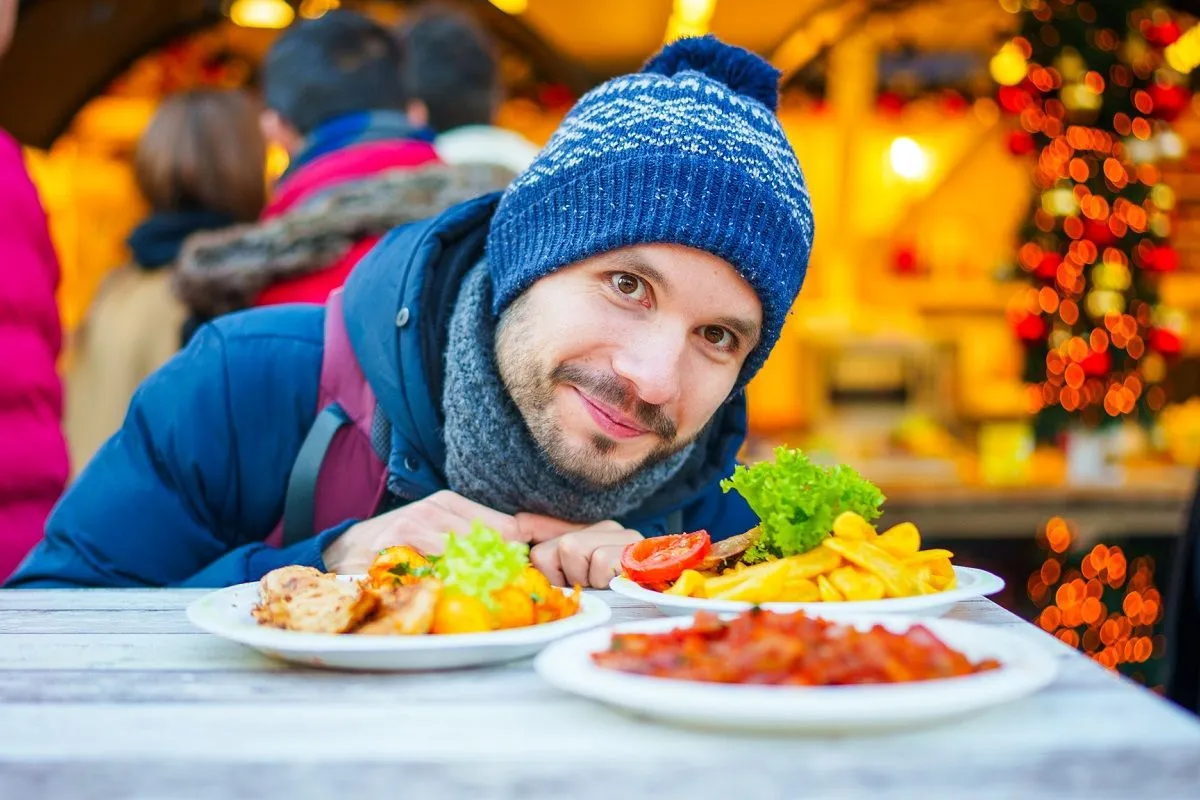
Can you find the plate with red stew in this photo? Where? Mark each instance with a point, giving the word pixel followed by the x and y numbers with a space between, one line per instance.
pixel 768 671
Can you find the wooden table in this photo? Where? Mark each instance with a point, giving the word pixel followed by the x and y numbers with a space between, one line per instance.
pixel 107 694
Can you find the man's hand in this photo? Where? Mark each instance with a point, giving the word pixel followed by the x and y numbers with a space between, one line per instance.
pixel 422 525
pixel 589 556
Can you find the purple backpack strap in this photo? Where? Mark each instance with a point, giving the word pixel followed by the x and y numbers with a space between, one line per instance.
pixel 337 474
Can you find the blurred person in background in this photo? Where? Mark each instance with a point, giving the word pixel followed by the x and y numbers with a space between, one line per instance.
pixel 335 100
pixel 453 75
pixel 33 455
pixel 200 166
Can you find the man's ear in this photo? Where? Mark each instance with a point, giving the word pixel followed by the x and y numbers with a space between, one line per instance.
pixel 276 130
pixel 417 112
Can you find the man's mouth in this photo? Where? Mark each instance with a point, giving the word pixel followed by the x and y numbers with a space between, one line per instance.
pixel 612 421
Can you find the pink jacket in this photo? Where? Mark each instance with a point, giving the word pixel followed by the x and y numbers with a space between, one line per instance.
pixel 33 453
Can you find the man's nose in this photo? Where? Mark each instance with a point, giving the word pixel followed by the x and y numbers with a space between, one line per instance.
pixel 652 361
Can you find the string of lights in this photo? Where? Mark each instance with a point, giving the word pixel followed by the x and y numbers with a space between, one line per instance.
pixel 1092 92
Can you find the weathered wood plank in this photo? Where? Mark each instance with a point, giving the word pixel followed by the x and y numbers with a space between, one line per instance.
pixel 1171 774
pixel 296 685
pixel 141 651
pixel 551 725
pixel 142 620
pixel 97 599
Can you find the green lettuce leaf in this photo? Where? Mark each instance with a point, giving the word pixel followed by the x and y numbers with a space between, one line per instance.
pixel 797 501
pixel 480 562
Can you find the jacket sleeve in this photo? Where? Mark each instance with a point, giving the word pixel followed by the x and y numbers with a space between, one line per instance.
pixel 194 480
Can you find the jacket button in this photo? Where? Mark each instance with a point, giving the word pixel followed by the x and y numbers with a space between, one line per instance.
pixel 411 464
pixel 402 317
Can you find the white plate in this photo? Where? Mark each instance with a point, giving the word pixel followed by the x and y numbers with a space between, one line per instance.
pixel 1024 669
pixel 971 583
pixel 226 613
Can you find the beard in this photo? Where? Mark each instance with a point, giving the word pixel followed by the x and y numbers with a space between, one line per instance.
pixel 531 385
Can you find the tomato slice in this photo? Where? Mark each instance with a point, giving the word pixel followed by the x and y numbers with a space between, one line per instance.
pixel 661 559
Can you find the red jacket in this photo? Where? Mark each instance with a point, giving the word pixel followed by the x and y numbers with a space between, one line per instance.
pixel 341 166
pixel 33 453
pixel 324 219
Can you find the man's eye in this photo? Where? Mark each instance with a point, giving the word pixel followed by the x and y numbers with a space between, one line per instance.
pixel 631 286
pixel 721 337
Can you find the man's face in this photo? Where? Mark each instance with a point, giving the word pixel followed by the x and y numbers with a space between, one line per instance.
pixel 619 361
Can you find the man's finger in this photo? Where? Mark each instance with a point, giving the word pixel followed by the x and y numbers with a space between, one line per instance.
pixel 545 558
pixel 469 510
pixel 428 534
pixel 541 528
pixel 605 525
pixel 605 565
pixel 574 555
pixel 577 551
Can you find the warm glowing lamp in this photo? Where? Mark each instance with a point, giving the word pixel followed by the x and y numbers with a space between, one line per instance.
pixel 261 13
pixel 909 160
pixel 513 7
pixel 689 18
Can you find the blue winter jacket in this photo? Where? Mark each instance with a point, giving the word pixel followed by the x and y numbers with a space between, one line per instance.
pixel 187 490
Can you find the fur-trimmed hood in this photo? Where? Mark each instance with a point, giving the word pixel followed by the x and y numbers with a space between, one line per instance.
pixel 223 271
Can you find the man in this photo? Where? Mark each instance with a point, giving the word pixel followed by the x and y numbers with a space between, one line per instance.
pixel 453 75
pixel 564 363
pixel 335 101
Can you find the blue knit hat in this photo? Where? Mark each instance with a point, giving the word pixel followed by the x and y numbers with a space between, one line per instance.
pixel 688 151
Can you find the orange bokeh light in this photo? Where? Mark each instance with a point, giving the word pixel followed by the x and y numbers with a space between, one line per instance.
pixel 1069 312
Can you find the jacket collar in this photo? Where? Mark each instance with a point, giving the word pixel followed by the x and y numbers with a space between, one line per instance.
pixel 351 129
pixel 225 270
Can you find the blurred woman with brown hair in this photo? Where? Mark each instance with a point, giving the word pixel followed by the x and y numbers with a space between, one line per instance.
pixel 200 167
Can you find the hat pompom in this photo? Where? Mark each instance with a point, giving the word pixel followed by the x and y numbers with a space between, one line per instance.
pixel 740 70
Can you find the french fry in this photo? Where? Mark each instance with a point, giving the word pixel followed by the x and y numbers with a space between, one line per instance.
pixel 874 586
pixel 900 540
pixel 799 590
pixel 937 560
pixel 923 556
pixel 898 580
pixel 941 583
pixel 849 525
pixel 735 576
pixel 690 584
pixel 854 584
pixel 757 585
pixel 813 563
pixel 828 593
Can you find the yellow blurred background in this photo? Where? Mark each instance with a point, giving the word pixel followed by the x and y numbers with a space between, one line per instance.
pixel 917 210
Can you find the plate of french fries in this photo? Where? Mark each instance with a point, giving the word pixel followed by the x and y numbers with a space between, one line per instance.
pixel 815 549
pixel 854 569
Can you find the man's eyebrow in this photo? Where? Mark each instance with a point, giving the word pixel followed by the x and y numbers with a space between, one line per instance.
pixel 635 263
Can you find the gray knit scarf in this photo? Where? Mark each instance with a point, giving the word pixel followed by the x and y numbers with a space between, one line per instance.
pixel 491 457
